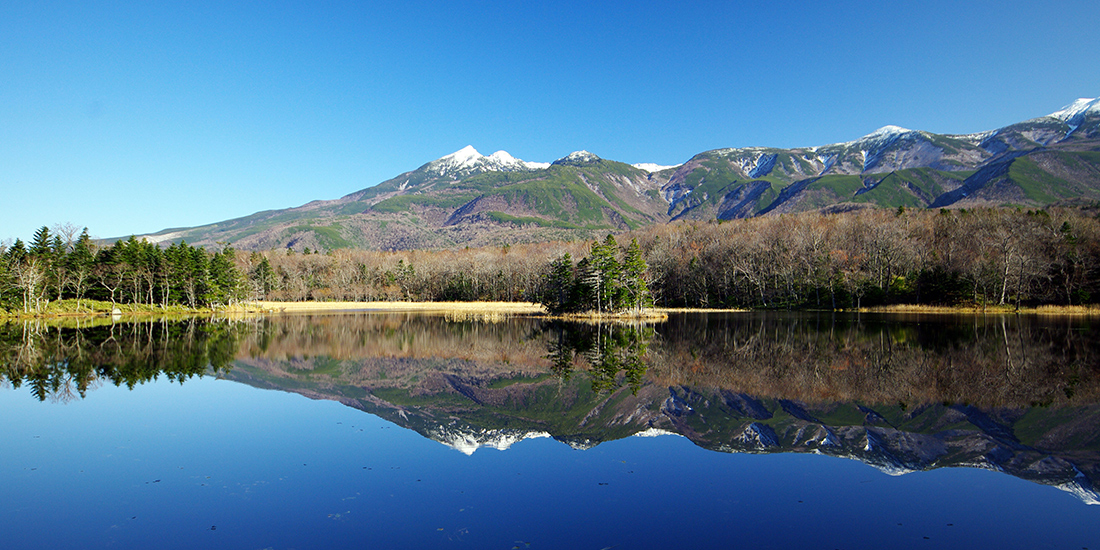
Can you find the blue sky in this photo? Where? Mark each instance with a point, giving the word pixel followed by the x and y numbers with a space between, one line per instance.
pixel 131 117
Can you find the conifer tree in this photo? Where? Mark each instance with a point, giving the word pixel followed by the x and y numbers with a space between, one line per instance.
pixel 262 275
pixel 633 278
pixel 41 243
pixel 558 294
pixel 78 265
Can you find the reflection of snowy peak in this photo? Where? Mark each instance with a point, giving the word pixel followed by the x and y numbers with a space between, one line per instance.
pixel 468 439
pixel 1082 488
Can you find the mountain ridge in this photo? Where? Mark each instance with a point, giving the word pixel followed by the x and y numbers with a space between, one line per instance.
pixel 469 199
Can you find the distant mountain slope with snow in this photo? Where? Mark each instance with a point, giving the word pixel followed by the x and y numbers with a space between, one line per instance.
pixel 466 198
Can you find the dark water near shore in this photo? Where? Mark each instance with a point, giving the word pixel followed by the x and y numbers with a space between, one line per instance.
pixel 412 431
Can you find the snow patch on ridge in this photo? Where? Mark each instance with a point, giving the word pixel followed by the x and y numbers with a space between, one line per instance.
pixel 655 432
pixel 157 239
pixel 653 167
pixel 758 166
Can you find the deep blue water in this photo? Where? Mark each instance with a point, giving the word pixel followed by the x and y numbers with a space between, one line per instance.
pixel 216 464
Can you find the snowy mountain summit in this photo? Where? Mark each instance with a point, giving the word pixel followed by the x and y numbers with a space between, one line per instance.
pixel 1074 112
pixel 883 136
pixel 468 161
pixel 577 158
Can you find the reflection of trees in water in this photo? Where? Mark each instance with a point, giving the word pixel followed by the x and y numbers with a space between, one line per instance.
pixel 394 349
pixel 409 335
pixel 605 349
pixel 61 363
pixel 997 361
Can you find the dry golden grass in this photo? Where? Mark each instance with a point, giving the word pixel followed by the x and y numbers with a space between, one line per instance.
pixel 667 310
pixel 996 309
pixel 467 308
pixel 1068 310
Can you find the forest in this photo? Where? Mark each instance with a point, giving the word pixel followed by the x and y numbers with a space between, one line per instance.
pixel 980 257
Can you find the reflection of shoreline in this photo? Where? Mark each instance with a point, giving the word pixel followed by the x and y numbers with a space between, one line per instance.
pixel 871 388
pixel 97 310
pixel 990 361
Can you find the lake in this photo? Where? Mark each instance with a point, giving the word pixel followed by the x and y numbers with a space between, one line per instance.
pixel 384 430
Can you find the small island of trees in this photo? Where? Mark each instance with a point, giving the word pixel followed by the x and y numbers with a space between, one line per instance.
pixel 608 281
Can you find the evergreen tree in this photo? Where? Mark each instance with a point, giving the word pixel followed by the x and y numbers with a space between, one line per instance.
pixel 78 265
pixel 634 270
pixel 558 293
pixel 8 291
pixel 586 286
pixel 262 275
pixel 611 293
pixel 41 245
pixel 16 252
pixel 197 276
pixel 223 288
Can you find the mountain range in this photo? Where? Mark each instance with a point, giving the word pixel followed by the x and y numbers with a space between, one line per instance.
pixel 470 199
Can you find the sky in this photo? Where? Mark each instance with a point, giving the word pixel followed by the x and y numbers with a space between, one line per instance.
pixel 133 117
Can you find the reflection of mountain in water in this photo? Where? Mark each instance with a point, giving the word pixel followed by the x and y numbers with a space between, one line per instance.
pixel 915 379
pixel 1013 394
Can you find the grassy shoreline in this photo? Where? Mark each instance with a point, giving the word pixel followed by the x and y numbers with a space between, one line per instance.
pixel 92 308
pixel 988 310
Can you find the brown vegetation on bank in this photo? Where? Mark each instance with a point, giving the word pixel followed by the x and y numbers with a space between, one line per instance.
pixel 871 258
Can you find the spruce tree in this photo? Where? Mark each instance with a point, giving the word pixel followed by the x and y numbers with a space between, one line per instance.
pixel 40 246
pixel 633 278
pixel 79 265
pixel 558 292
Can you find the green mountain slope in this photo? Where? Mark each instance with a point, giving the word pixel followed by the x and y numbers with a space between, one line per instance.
pixel 467 199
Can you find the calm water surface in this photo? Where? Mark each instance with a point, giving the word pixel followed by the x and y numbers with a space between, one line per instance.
pixel 402 431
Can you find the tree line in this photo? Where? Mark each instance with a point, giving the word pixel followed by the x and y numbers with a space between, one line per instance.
pixel 61 264
pixel 878 257
pixel 801 261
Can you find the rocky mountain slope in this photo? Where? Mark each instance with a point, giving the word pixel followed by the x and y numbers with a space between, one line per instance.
pixel 466 198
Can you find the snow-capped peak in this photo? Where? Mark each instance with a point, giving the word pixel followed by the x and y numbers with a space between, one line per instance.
pixel 468 160
pixel 1083 106
pixel 885 132
pixel 577 157
pixel 882 136
pixel 465 157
